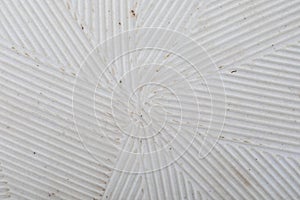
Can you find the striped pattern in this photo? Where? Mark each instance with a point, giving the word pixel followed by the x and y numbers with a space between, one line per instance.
pixel 246 30
pixel 46 28
pixel 255 45
pixel 264 98
pixel 102 20
pixel 4 190
pixel 40 146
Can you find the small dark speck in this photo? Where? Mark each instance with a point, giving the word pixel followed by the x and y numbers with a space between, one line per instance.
pixel 132 12
pixel 34 152
pixel 120 23
pixel 82 27
pixel 141 115
pixel 233 71
pixel 120 81
pixel 13 47
pixel 8 127
pixel 51 194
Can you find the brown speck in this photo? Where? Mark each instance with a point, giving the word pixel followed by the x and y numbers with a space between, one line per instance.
pixel 242 177
pixel 233 71
pixel 168 55
pixel 132 13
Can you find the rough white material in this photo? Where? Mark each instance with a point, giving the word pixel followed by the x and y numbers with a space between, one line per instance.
pixel 149 99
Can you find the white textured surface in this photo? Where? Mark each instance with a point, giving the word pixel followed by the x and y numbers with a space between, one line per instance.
pixel 49 74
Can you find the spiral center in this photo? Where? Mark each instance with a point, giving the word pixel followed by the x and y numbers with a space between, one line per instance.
pixel 146 114
pixel 141 106
pixel 143 101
